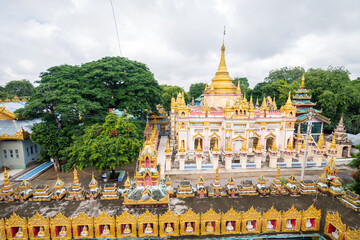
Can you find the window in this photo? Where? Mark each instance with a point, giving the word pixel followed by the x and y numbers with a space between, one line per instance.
pixel 5 154
pixel 31 150
pixel 27 150
pixel 17 153
pixel 36 149
pixel 11 153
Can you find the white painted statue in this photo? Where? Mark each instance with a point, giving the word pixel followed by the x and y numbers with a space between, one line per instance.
pixel 127 229
pixel 84 232
pixel 189 228
pixel 335 234
pixel 62 233
pixel 249 226
pixel 308 223
pixel 229 227
pixel 288 224
pixel 106 230
pixel 168 228
pixel 148 229
pixel 41 232
pixel 19 233
pixel 269 226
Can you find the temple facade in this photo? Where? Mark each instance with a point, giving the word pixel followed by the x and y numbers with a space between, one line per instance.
pixel 228 124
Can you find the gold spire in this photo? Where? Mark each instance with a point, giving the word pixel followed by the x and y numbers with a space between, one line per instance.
pixel 238 90
pixel 333 143
pixel 216 148
pixel 278 173
pixel 217 174
pixel 263 104
pixel 274 104
pixel 168 150
pixel 258 147
pixel 273 147
pixel 299 134
pixel 243 148
pixel 228 147
pixel 76 179
pixel 288 102
pixel 6 179
pixel 289 145
pixel 251 102
pixel 303 81
pixel 321 141
pixel 222 82
pixel 127 183
pixel 303 144
pixel 198 149
pixel 182 147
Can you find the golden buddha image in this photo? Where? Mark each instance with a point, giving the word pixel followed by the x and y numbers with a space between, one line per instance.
pixel 41 232
pixel 168 228
pixel 19 233
pixel 62 232
pixel 106 230
pixel 189 228
pixel 148 229
pixel 209 227
pixel 127 229
pixel 84 231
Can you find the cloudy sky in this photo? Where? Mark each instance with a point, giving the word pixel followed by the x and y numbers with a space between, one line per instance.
pixel 180 40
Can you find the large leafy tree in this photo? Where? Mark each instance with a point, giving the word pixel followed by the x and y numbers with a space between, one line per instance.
pixel 171 91
pixel 116 142
pixel 196 89
pixel 287 74
pixel 355 184
pixel 20 88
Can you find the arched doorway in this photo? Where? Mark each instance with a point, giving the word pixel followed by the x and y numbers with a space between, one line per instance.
pixel 345 151
pixel 255 142
pixel 147 180
pixel 213 140
pixel 269 143
pixel 196 143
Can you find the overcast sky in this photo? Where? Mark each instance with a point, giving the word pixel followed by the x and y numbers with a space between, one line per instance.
pixel 180 40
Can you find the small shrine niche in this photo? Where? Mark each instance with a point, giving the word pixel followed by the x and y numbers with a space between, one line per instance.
pixel 334 228
pixel 16 227
pixel 210 223
pixel 125 225
pixel 291 220
pixel 38 227
pixel 230 222
pixel 148 225
pixel 83 226
pixel 189 223
pixel 104 226
pixel 169 224
pixel 352 234
pixel 60 227
pixel 251 221
pixel 271 220
pixel 310 219
pixel 2 229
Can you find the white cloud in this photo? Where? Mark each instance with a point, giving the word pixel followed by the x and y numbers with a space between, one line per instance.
pixel 180 40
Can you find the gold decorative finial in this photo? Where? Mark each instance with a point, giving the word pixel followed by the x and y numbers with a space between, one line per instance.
pixel 76 179
pixel 289 100
pixel 217 174
pixel 303 81
pixel 182 147
pixel 321 141
pixel 333 143
pixel 198 149
pixel 168 150
pixel 278 173
pixel 289 145
pixel 228 147
pixel 6 179
pixel 243 148
pixel 258 147
pixel 216 148
pixel 273 147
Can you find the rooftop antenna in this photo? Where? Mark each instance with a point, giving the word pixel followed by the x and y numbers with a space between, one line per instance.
pixel 224 34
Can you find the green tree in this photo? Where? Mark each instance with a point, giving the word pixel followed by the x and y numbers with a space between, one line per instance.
pixel 196 89
pixel 116 142
pixel 20 88
pixel 287 74
pixel 244 82
pixel 355 184
pixel 171 91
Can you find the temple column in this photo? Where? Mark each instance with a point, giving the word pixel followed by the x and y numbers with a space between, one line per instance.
pixel 288 157
pixel 168 153
pixel 228 159
pixel 273 159
pixel 215 155
pixel 258 155
pixel 243 158
pixel 198 157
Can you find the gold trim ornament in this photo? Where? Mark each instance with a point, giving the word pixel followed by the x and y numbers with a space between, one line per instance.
pixel 310 219
pixel 83 226
pixel 126 225
pixel 60 227
pixel 168 224
pixel 16 227
pixel 230 222
pixel 104 226
pixel 38 227
pixel 148 225
pixel 2 229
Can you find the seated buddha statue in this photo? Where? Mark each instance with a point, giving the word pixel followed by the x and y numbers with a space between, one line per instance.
pixel 62 232
pixel 189 228
pixel 127 229
pixel 41 232
pixel 308 223
pixel 84 231
pixel 288 224
pixel 249 225
pixel 19 233
pixel 209 227
pixel 148 229
pixel 335 234
pixel 168 228
pixel 269 226
pixel 229 227
pixel 106 230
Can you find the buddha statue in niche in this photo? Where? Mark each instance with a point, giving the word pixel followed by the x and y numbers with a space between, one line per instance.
pixel 209 227
pixel 288 224
pixel 189 228
pixel 127 229
pixel 229 227
pixel 269 225
pixel 168 228
pixel 148 229
pixel 249 225
pixel 19 233
pixel 62 232
pixel 41 232
pixel 84 232
pixel 106 230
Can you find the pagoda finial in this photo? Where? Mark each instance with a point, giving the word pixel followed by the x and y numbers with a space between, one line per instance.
pixel 274 104
pixel 238 90
pixel 333 143
pixel 76 179
pixel 257 102
pixel 303 81
pixel 321 141
pixel 278 173
pixel 289 100
pixel 6 178
pixel 298 134
pixel 168 150
pixel 258 147
pixel 217 174
pixel 182 147
pixel 228 147
pixel 273 147
pixel 216 148
pixel 289 145
pixel 198 148
pixel 243 148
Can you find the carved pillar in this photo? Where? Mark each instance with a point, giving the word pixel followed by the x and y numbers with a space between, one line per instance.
pixel 243 159
pixel 228 160
pixel 258 157
pixel 198 157
pixel 273 159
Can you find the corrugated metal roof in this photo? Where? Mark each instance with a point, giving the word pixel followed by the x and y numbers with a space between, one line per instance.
pixel 12 126
pixel 13 106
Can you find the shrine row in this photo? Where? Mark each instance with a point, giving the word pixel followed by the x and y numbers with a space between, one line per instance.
pixel 170 224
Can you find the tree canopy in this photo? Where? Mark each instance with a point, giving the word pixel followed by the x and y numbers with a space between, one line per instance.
pixel 116 142
pixel 196 89
pixel 172 91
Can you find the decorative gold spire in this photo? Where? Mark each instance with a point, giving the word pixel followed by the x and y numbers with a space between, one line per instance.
pixel 278 173
pixel 321 142
pixel 289 145
pixel 258 147
pixel 228 147
pixel 198 149
pixel 76 179
pixel 263 104
pixel 303 145
pixel 182 147
pixel 302 81
pixel 238 90
pixel 243 148
pixel 127 183
pixel 168 150
pixel 273 147
pixel 216 148
pixel 217 174
pixel 251 102
pixel 222 82
pixel 333 143
pixel 6 179
pixel 298 134
pixel 274 104
pixel 288 102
